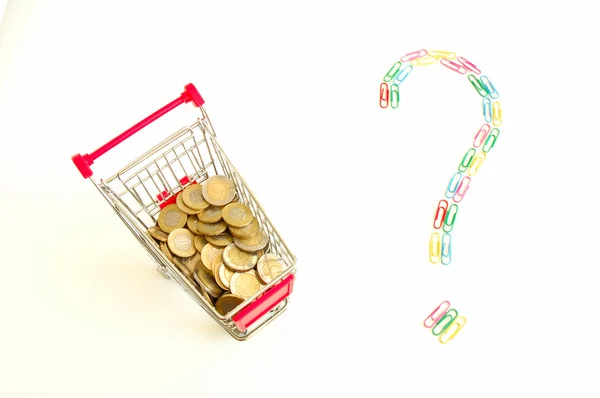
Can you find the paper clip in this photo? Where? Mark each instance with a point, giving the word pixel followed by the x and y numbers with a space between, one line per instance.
pixel 453 184
pixel 458 68
pixel 435 316
pixel 442 54
pixel 489 87
pixel 497 111
pixel 427 60
pixel 434 248
pixel 468 65
pixel 466 160
pixel 477 162
pixel 439 219
pixel 403 74
pixel 491 140
pixel 481 135
pixel 478 86
pixel 384 95
pixel 453 329
pixel 444 322
pixel 414 55
pixel 450 217
pixel 392 72
pixel 446 249
pixel 462 189
pixel 487 109
pixel 395 96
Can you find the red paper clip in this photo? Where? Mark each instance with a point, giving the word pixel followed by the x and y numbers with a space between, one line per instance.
pixel 462 189
pixel 384 95
pixel 437 314
pixel 413 55
pixel 468 65
pixel 481 135
pixel 442 207
pixel 453 66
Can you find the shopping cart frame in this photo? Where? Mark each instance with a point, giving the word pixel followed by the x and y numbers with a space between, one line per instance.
pixel 138 192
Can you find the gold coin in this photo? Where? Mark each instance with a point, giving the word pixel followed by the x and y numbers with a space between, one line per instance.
pixel 192 224
pixel 181 243
pixel 218 190
pixel 182 206
pixel 221 240
pixel 211 214
pixel 218 277
pixel 192 262
pixel 199 242
pixel 237 215
pixel 170 218
pixel 206 296
pixel 215 265
pixel 244 284
pixel 158 234
pixel 247 231
pixel 192 197
pixel 207 282
pixel 211 254
pixel 227 303
pixel 269 267
pixel 224 274
pixel 179 263
pixel 237 259
pixel 165 250
pixel 211 229
pixel 253 243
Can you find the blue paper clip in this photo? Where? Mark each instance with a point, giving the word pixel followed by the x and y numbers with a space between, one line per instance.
pixel 394 96
pixel 489 87
pixel 446 248
pixel 453 185
pixel 487 109
pixel 443 323
pixel 403 74
pixel 450 218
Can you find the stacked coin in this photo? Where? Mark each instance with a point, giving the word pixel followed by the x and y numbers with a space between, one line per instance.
pixel 217 242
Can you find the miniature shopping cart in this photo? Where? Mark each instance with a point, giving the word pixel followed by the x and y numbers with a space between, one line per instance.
pixel 142 188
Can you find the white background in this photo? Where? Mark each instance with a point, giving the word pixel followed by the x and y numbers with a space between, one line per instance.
pixel 292 92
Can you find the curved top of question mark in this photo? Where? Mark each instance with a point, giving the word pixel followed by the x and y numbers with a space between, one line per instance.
pixel 440 247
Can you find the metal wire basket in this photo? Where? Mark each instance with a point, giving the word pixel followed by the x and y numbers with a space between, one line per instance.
pixel 143 187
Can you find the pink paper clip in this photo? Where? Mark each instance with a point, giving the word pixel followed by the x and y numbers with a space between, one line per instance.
pixel 384 95
pixel 439 220
pixel 462 189
pixel 458 68
pixel 413 55
pixel 437 314
pixel 468 65
pixel 481 135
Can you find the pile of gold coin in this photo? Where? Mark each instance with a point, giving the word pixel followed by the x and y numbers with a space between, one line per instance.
pixel 217 243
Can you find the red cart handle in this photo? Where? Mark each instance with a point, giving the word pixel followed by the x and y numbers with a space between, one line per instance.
pixel 83 162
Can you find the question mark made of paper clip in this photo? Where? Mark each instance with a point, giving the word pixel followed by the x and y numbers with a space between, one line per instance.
pixel 440 243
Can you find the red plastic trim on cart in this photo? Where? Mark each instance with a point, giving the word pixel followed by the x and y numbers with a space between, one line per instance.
pixel 83 162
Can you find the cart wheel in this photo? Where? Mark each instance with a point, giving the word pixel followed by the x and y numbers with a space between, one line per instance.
pixel 163 271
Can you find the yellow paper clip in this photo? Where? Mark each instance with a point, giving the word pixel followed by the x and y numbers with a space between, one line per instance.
pixel 442 54
pixel 476 163
pixel 427 60
pixel 453 329
pixel 435 248
pixel 497 113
